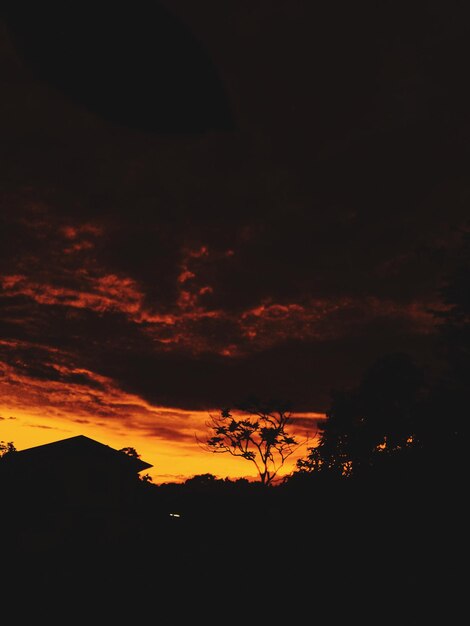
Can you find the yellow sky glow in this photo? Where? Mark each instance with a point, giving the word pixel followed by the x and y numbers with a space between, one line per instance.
pixel 173 461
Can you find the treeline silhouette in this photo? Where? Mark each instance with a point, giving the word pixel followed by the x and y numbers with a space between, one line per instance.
pixel 371 523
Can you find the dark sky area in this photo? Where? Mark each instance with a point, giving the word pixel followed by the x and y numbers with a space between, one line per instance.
pixel 205 200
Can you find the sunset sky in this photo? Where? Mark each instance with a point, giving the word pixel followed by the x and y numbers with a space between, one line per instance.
pixel 202 201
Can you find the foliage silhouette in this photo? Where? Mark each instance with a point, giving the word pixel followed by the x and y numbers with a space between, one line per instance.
pixel 449 396
pixel 132 452
pixel 257 432
pixel 378 421
pixel 7 447
pixel 402 419
pixel 129 451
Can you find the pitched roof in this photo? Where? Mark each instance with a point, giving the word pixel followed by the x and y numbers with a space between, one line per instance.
pixel 79 446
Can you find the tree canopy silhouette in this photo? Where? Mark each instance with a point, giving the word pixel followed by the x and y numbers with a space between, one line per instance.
pixel 378 420
pixel 6 447
pixel 450 396
pixel 129 451
pixel 132 452
pixel 257 432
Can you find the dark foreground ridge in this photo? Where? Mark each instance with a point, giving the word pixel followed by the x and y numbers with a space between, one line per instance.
pixel 382 550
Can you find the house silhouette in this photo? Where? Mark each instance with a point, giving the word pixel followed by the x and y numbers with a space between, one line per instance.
pixel 75 494
pixel 73 472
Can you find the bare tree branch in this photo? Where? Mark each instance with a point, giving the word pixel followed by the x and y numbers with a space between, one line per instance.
pixel 259 435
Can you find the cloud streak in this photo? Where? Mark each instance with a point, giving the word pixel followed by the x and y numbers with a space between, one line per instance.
pixel 81 322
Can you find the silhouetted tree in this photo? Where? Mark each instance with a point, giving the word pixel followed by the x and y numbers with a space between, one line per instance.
pixel 258 435
pixel 203 481
pixel 402 414
pixel 320 461
pixel 132 452
pixel 450 395
pixel 378 420
pixel 6 448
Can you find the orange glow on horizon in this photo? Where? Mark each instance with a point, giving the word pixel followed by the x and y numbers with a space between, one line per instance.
pixel 62 400
pixel 164 437
pixel 171 461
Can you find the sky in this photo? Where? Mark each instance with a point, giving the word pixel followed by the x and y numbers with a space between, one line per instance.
pixel 206 201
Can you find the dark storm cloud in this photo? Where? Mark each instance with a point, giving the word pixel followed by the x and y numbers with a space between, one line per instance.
pixel 287 220
pixel 140 68
pixel 301 372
